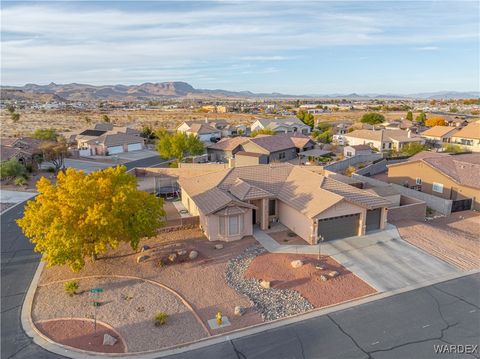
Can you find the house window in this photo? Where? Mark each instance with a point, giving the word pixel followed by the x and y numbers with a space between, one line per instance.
pixel 271 207
pixel 221 227
pixel 418 181
pixel 281 155
pixel 233 225
pixel 349 154
pixel 437 187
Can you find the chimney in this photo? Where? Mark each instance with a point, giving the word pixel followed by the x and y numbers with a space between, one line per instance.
pixel 231 162
pixel 409 133
pixel 206 120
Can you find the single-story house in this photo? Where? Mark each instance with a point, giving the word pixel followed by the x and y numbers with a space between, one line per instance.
pixel 439 135
pixel 225 148
pixel 350 151
pixel 383 140
pixel 454 177
pixel 468 137
pixel 23 149
pixel 284 125
pixel 275 148
pixel 110 144
pixel 204 131
pixel 231 202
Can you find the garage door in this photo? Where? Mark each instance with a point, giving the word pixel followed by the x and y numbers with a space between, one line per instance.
pixel 134 147
pixel 115 149
pixel 338 227
pixel 373 219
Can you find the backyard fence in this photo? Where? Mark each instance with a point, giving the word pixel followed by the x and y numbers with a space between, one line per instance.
pixel 342 165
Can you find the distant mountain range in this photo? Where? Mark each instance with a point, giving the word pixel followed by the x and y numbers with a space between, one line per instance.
pixel 183 90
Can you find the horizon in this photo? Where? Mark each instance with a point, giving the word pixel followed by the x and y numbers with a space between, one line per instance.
pixel 331 47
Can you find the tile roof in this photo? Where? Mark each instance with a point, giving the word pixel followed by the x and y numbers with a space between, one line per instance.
pixel 249 154
pixel 202 128
pixel 273 143
pixel 229 144
pixel 115 139
pixel 388 135
pixel 471 131
pixel 274 123
pixel 439 131
pixel 361 147
pixel 306 191
pixel 7 152
pixel 463 169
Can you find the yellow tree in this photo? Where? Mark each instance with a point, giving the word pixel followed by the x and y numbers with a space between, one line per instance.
pixel 83 215
pixel 435 121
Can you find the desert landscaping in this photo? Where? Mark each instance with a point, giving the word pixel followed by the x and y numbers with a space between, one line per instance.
pixel 190 279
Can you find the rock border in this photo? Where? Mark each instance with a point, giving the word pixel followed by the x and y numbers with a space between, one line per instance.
pixel 271 303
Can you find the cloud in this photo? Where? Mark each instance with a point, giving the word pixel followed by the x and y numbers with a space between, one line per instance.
pixel 130 41
pixel 427 48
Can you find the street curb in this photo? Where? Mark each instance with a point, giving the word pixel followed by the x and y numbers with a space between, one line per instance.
pixel 74 353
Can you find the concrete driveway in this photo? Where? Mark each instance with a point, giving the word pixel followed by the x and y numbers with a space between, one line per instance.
pixel 136 155
pixel 382 259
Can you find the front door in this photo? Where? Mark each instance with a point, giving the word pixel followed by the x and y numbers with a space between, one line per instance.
pixel 254 216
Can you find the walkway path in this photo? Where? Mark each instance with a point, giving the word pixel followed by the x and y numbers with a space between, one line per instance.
pixel 15 196
pixel 382 259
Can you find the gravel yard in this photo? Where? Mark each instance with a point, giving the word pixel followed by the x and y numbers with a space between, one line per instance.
pixel 272 303
pixel 79 334
pixel 454 239
pixel 201 281
pixel 306 280
pixel 128 305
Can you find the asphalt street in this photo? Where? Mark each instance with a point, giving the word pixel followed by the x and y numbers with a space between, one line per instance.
pixel 407 325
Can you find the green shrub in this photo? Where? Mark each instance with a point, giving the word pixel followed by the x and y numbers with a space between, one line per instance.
pixel 51 169
pixel 11 168
pixel 160 319
pixel 20 181
pixel 29 168
pixel 71 287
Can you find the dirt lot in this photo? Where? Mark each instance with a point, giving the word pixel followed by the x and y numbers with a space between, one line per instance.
pixel 66 121
pixel 31 185
pixel 454 239
pixel 200 281
pixel 277 269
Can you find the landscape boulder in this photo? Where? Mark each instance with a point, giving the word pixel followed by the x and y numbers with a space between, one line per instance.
pixel 172 257
pixel 219 246
pixel 323 278
pixel 333 274
pixel 181 252
pixel 265 284
pixel 109 340
pixel 141 259
pixel 193 254
pixel 320 267
pixel 144 248
pixel 239 311
pixel 296 263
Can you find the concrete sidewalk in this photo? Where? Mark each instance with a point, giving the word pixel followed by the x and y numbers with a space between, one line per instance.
pixel 15 196
pixel 382 259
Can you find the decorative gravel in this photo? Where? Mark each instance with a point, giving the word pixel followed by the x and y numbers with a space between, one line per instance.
pixel 271 303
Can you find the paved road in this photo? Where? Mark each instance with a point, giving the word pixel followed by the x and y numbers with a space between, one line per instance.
pixel 407 325
pixel 403 326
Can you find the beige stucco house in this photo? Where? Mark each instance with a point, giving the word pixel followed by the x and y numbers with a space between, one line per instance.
pixel 439 135
pixel 383 140
pixel 455 177
pixel 230 202
pixel 468 137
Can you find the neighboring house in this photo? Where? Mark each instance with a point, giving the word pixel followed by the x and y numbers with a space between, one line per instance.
pixel 203 130
pixel 23 149
pixel 468 137
pixel 454 177
pixel 383 140
pixel 106 139
pixel 456 122
pixel 439 135
pixel 398 125
pixel 230 202
pixel 109 144
pixel 225 148
pixel 350 151
pixel 285 125
pixel 278 148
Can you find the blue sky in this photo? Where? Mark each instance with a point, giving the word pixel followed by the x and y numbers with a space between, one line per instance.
pixel 264 46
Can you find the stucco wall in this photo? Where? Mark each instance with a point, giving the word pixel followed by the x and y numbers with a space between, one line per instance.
pixel 408 172
pixel 414 211
pixel 340 209
pixel 295 221
pixel 211 227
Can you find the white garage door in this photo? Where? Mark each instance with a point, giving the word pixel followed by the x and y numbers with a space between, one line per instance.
pixel 134 147
pixel 115 149
pixel 85 153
